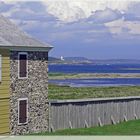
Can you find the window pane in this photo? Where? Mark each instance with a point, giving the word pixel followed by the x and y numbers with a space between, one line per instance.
pixel 23 111
pixel 23 65
pixel 23 57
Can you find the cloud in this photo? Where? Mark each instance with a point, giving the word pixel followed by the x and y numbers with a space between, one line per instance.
pixel 75 10
pixel 121 26
pixel 71 27
pixel 27 11
pixel 68 11
pixel 103 16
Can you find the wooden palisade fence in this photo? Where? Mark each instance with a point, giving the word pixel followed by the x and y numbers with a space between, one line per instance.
pixel 92 112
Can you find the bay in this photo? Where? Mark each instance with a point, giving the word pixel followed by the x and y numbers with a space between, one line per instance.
pixel 92 68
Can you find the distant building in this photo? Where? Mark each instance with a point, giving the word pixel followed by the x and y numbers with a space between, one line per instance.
pixel 23 81
pixel 62 58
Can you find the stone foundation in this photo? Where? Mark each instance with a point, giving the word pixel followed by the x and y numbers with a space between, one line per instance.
pixel 35 88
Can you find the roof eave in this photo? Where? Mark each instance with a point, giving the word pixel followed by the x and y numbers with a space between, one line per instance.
pixel 28 48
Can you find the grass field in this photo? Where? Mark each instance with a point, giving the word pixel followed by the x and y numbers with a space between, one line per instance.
pixel 125 128
pixel 92 75
pixel 66 92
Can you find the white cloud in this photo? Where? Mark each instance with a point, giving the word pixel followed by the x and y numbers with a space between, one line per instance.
pixel 74 10
pixel 121 26
pixel 69 11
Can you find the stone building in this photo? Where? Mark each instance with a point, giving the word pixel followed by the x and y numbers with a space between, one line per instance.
pixel 23 81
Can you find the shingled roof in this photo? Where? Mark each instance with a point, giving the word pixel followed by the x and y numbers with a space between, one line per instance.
pixel 11 35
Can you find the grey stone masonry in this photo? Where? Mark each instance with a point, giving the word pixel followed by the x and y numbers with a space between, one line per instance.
pixel 35 88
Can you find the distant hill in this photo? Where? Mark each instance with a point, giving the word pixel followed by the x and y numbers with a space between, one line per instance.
pixel 83 60
pixel 117 61
pixel 75 58
pixel 53 59
pixel 70 60
pixel 78 60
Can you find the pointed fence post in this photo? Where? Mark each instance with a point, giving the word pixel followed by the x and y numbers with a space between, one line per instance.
pixel 70 125
pixel 125 118
pixel 136 117
pixel 112 119
pixel 52 128
pixel 86 124
pixel 99 121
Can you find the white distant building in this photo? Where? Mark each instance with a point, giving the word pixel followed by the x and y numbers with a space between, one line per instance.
pixel 62 58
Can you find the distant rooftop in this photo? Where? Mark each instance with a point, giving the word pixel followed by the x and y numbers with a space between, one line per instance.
pixel 11 35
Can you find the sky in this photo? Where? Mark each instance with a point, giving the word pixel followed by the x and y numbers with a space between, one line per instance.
pixel 96 29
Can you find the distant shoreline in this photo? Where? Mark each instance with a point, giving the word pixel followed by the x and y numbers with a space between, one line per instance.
pixel 63 76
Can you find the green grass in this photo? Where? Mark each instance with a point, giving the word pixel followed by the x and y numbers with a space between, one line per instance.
pixel 92 75
pixel 65 92
pixel 125 128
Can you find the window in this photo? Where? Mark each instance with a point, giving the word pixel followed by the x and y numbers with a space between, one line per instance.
pixel 23 66
pixel 0 68
pixel 22 111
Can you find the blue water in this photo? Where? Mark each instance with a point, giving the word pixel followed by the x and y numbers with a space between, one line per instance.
pixel 91 68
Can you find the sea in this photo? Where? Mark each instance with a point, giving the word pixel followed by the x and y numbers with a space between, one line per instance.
pixel 96 68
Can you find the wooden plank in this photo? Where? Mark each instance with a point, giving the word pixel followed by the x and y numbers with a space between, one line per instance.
pixel 100 122
pixel 5 58
pixel 86 124
pixel 5 84
pixel 5 74
pixel 113 120
pixel 52 128
pixel 4 116
pixel 4 120
pixel 87 114
pixel 4 88
pixel 4 103
pixel 6 66
pixel 70 125
pixel 5 108
pixel 95 99
pixel 5 78
pixel 95 114
pixel 4 124
pixel 6 95
pixel 3 112
pixel 4 130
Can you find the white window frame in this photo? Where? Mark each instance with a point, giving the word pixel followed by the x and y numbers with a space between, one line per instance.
pixel 22 53
pixel 0 68
pixel 22 99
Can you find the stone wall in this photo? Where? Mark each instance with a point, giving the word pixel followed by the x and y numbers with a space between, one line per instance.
pixel 35 88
